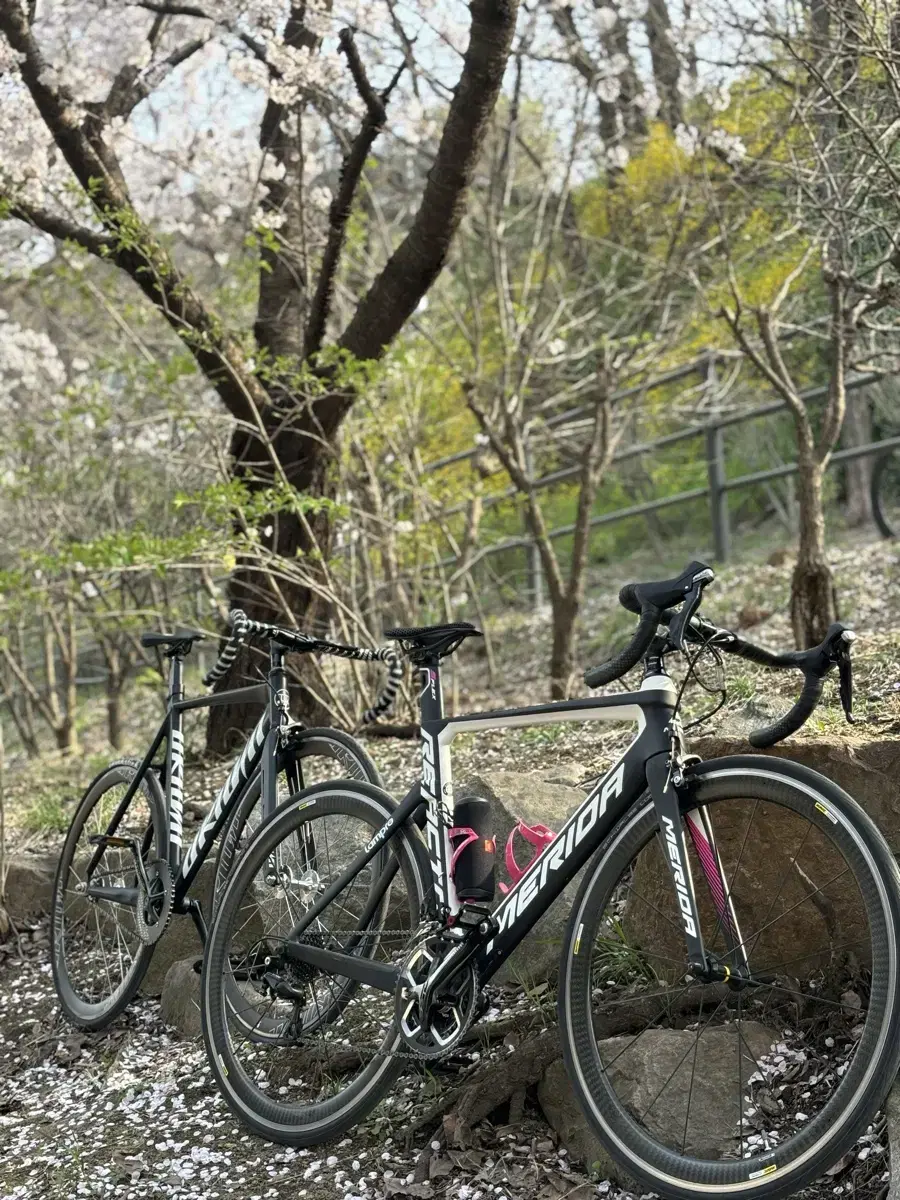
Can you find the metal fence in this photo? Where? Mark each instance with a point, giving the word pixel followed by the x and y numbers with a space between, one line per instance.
pixel 717 487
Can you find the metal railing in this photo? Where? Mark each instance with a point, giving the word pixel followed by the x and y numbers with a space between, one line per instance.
pixel 716 488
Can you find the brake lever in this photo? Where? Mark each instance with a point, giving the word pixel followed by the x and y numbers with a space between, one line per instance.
pixel 845 676
pixel 682 619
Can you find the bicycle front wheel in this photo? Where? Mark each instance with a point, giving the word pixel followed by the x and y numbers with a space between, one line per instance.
pixel 302 1054
pixel 750 1087
pixel 312 756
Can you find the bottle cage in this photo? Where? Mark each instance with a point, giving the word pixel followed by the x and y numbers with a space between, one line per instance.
pixel 538 835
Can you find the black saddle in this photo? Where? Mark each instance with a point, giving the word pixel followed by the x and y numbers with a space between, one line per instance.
pixel 179 643
pixel 424 643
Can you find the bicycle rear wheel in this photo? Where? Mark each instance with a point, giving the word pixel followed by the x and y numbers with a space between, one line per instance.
pixel 737 1089
pixel 309 1053
pixel 99 951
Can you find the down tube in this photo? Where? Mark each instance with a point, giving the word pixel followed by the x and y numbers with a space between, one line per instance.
pixel 578 839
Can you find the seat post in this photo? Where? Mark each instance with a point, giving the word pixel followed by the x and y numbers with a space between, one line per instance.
pixel 431 697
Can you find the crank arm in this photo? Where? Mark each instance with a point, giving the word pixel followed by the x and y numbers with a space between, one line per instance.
pixel 115 895
pixel 363 970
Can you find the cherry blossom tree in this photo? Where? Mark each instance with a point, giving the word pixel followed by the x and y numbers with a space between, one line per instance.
pixel 97 153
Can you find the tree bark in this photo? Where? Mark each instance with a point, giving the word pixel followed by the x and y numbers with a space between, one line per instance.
pixel 813 601
pixel 858 427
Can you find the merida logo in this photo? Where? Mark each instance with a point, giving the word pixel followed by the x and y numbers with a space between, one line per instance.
pixel 684 899
pixel 560 848
pixel 432 830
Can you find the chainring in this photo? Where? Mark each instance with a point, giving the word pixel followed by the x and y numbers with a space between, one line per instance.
pixel 154 908
pixel 439 1031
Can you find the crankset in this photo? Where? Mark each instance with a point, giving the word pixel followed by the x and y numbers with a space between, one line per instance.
pixel 433 1028
pixel 154 901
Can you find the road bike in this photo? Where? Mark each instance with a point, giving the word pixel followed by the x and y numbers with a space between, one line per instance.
pixel 728 979
pixel 122 871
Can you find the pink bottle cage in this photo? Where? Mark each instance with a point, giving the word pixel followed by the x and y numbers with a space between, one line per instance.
pixel 538 835
pixel 468 836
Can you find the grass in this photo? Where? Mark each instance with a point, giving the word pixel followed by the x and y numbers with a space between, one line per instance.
pixel 47 814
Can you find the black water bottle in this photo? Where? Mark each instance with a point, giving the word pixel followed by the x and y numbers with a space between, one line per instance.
pixel 474 873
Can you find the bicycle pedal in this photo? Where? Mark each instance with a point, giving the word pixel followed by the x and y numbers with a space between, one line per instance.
pixel 109 839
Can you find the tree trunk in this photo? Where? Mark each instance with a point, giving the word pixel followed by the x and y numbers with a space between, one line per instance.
pixel 252 587
pixel 858 427
pixel 562 654
pixel 114 709
pixel 813 601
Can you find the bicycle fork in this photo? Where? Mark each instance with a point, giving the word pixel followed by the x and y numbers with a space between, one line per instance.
pixel 732 966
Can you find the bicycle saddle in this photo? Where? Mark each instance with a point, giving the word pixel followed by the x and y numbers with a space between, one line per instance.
pixel 424 642
pixel 186 637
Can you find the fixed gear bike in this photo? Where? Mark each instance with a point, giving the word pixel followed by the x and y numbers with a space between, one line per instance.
pixel 122 873
pixel 735 916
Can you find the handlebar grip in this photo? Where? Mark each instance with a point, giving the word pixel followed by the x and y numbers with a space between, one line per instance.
pixel 756 654
pixel 616 667
pixel 793 720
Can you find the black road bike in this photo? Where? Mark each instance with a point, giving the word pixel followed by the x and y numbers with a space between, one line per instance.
pixel 728 984
pixel 122 872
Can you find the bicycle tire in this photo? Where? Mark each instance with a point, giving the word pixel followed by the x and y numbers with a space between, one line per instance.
pixel 843 1118
pixel 887 527
pixel 79 1012
pixel 302 1124
pixel 305 743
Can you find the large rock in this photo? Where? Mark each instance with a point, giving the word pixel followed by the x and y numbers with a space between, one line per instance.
pixel 29 884
pixel 179 1004
pixel 637 1068
pixel 534 799
pixel 788 881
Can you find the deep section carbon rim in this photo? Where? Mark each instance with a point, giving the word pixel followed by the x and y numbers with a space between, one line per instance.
pixel 309 1052
pixel 99 955
pixel 750 1088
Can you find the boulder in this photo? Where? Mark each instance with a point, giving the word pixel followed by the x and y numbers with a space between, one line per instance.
pixel 636 1067
pixel 179 1004
pixel 29 884
pixel 708 1097
pixel 534 799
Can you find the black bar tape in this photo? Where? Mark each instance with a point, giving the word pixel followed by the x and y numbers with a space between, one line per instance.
pixel 791 721
pixel 628 598
pixel 630 656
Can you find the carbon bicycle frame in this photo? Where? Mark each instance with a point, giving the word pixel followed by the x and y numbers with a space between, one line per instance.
pixel 261 748
pixel 646 763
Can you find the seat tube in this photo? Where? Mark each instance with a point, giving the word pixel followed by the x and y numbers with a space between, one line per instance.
pixel 437 787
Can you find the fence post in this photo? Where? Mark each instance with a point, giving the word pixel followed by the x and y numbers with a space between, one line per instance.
pixel 715 470
pixel 535 568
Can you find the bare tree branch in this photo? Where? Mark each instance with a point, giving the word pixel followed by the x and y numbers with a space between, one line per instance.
pixel 419 258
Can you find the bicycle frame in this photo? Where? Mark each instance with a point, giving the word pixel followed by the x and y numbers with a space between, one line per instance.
pixel 261 749
pixel 648 762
